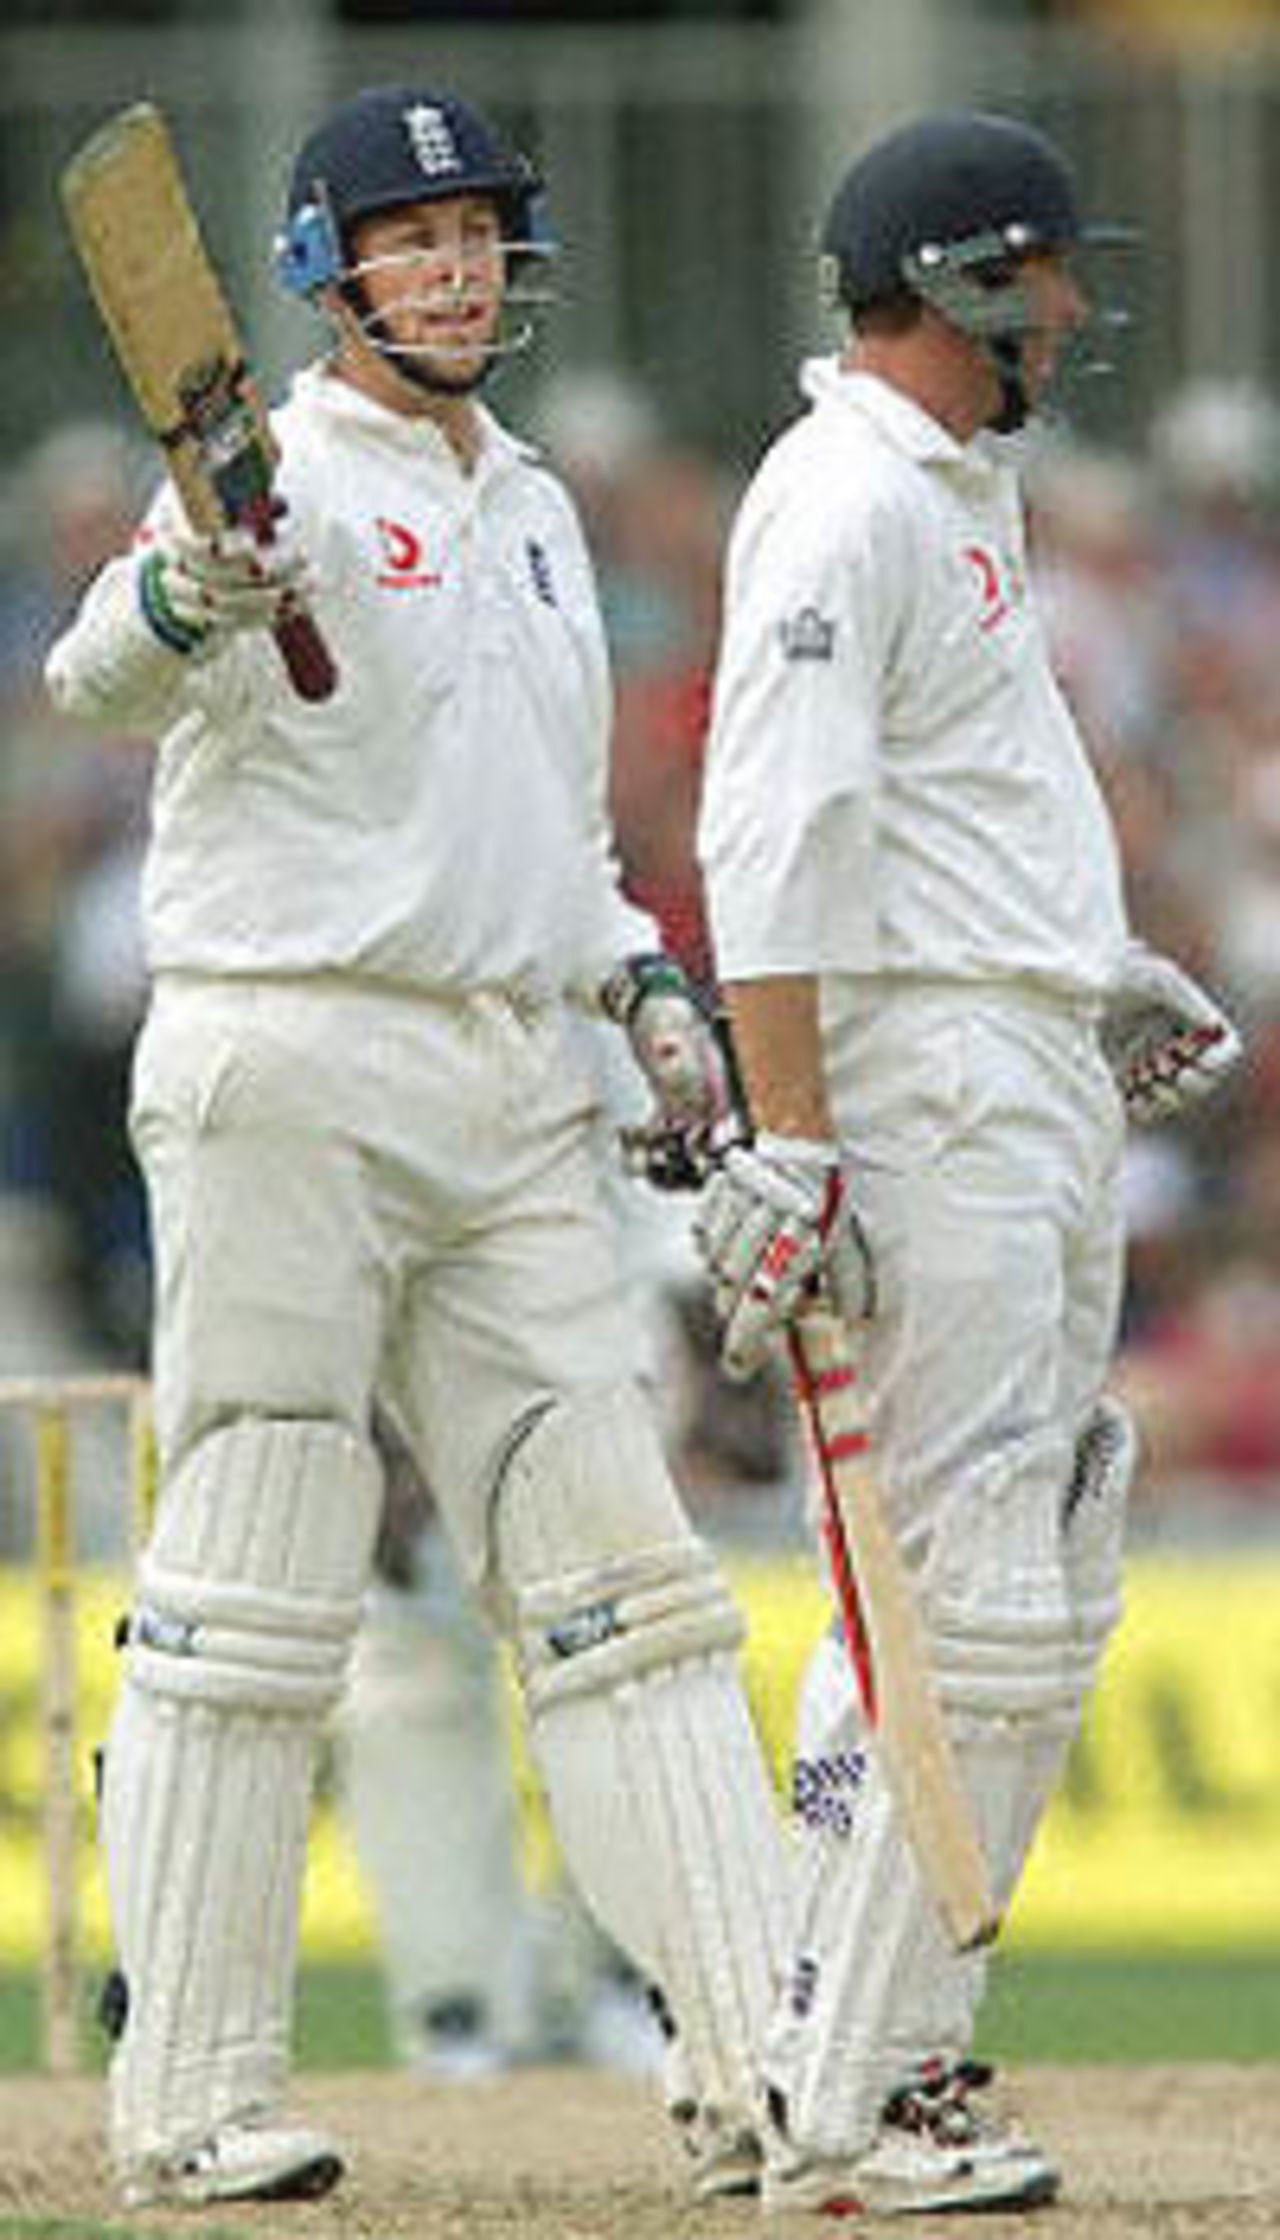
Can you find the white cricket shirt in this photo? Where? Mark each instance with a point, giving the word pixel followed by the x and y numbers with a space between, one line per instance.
pixel 894 784
pixel 441 822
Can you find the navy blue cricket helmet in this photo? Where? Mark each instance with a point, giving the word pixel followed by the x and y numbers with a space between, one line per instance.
pixel 939 191
pixel 385 147
pixel 943 211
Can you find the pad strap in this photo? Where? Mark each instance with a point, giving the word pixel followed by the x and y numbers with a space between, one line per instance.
pixel 595 1630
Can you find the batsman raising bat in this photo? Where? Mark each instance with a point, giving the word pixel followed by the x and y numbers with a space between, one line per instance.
pixel 376 919
pixel 225 564
pixel 940 1019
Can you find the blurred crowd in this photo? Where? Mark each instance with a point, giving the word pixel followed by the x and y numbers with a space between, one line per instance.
pixel 1160 581
pixel 1159 577
pixel 73 1275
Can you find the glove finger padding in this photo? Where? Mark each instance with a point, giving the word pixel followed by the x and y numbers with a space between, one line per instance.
pixel 225 582
pixel 1168 1044
pixel 772 1224
pixel 243 583
pixel 1178 1071
pixel 677 1053
pixel 674 1044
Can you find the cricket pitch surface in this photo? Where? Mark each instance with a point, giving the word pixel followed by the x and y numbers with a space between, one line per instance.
pixel 1183 2153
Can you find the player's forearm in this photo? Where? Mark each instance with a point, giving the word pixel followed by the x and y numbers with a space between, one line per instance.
pixel 778 1045
pixel 110 668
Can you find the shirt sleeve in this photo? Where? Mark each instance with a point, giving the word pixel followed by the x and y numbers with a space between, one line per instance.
pixel 109 667
pixel 787 833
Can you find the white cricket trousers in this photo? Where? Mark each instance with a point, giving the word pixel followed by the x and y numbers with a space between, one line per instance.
pixel 985 1135
pixel 353 1187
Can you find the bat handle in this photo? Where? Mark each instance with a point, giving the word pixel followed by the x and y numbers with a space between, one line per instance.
pixel 312 670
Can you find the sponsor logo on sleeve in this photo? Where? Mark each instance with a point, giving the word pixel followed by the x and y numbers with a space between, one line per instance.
pixel 807 635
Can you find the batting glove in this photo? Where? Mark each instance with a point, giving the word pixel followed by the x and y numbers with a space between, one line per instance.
pixel 194 589
pixel 774 1222
pixel 1166 1042
pixel 674 1045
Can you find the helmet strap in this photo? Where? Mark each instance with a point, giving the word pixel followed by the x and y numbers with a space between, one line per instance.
pixel 956 283
pixel 1015 405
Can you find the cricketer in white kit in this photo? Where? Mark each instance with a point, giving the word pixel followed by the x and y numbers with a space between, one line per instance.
pixel 916 904
pixel 365 1126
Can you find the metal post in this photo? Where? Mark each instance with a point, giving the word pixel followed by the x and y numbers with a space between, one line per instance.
pixel 51 1405
pixel 61 1984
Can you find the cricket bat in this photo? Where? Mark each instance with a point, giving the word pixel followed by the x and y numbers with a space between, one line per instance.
pixel 885 1636
pixel 164 308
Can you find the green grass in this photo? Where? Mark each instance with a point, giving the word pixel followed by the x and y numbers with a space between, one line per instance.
pixel 341 2019
pixel 341 2022
pixel 1094 2007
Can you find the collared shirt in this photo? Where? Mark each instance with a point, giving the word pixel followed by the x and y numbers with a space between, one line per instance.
pixel 894 783
pixel 440 823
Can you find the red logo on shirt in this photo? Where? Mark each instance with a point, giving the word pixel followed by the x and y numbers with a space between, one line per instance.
pixel 996 599
pixel 404 558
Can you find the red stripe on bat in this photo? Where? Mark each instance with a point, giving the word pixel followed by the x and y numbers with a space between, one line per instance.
pixel 857 1638
pixel 847 1445
pixel 834 1380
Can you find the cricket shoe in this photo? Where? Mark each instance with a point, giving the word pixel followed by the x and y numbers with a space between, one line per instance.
pixel 939 2147
pixel 248 2158
pixel 723 2161
pixel 724 2157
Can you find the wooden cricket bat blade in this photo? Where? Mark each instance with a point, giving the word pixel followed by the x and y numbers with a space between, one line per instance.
pixel 887 1640
pixel 163 305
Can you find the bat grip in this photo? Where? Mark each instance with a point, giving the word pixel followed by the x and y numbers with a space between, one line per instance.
pixel 312 670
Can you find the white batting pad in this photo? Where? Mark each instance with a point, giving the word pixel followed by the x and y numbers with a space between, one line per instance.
pixel 994 1588
pixel 657 1787
pixel 1094 1526
pixel 875 1985
pixel 248 1598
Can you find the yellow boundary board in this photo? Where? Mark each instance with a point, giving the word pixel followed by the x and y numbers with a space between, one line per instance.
pixel 1167 1830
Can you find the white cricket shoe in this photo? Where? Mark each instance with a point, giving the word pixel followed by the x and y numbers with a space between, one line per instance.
pixel 723 2162
pixel 248 2158
pixel 724 2159
pixel 938 2148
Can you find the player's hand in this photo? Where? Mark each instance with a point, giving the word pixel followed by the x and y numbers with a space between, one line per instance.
pixel 195 589
pixel 1167 1043
pixel 774 1222
pixel 675 1047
